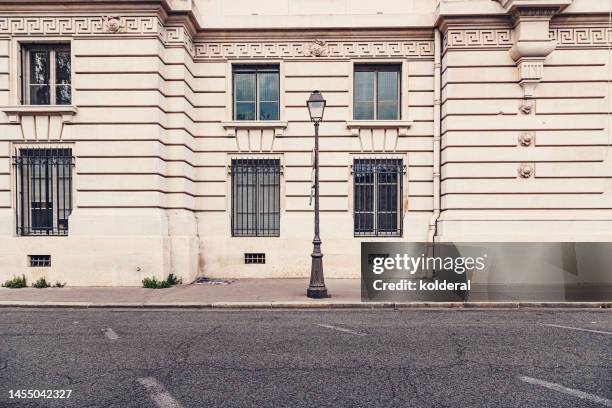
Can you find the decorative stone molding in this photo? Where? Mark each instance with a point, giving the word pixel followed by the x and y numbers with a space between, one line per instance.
pixel 233 126
pixel 567 37
pixel 15 113
pixel 40 122
pixel 526 139
pixel 469 38
pixel 43 25
pixel 178 36
pixel 298 49
pixel 533 43
pixel 113 24
pixel 402 126
pixel 318 48
pixel 526 170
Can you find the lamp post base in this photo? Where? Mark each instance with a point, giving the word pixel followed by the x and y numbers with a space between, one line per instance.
pixel 317 292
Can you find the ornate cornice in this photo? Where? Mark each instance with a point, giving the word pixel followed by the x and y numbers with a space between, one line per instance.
pixel 313 49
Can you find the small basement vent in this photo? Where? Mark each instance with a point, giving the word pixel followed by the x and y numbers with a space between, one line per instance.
pixel 258 258
pixel 39 260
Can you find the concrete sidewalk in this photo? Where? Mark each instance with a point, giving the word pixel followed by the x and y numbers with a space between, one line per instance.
pixel 243 293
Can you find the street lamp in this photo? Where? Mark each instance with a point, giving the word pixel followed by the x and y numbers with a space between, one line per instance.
pixel 316 289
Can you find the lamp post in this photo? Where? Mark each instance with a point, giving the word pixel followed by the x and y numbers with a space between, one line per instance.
pixel 316 289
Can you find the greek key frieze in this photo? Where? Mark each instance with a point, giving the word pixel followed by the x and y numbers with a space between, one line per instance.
pixel 581 36
pixel 78 25
pixel 478 38
pixel 328 49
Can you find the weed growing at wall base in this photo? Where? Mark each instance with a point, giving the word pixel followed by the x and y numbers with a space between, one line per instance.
pixel 16 282
pixel 153 283
pixel 41 284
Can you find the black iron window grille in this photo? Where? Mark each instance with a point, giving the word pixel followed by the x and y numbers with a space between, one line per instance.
pixel 378 195
pixel 256 258
pixel 37 261
pixel 256 197
pixel 43 179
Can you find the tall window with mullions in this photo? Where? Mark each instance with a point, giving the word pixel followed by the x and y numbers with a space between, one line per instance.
pixel 256 92
pixel 378 197
pixel 256 197
pixel 43 179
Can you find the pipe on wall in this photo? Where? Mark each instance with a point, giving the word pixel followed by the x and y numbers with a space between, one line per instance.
pixel 437 126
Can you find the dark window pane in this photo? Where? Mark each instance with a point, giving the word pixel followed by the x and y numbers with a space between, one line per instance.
pixel 268 86
pixel 364 95
pixel 245 110
pixel 364 111
pixel 63 94
pixel 40 94
pixel 39 67
pixel 244 87
pixel 387 86
pixel 62 67
pixel 268 111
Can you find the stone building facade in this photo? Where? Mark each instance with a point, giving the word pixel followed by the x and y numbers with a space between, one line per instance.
pixel 145 137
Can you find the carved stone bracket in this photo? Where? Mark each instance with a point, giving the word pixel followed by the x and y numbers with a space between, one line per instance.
pixel 533 43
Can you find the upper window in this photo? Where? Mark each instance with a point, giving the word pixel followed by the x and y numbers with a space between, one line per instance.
pixel 256 92
pixel 256 197
pixel 377 187
pixel 376 92
pixel 46 74
pixel 44 190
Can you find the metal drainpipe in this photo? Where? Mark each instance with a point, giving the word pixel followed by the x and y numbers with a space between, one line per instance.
pixel 433 223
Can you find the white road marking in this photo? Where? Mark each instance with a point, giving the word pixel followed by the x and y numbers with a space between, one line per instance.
pixel 342 329
pixel 579 329
pixel 110 334
pixel 570 391
pixel 158 393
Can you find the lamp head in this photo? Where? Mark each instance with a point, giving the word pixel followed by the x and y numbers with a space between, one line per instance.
pixel 316 106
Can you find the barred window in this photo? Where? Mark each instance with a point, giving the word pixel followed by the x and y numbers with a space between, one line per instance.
pixel 255 197
pixel 256 92
pixel 377 92
pixel 46 74
pixel 43 180
pixel 378 197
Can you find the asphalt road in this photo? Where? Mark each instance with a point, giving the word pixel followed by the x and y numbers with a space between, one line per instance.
pixel 409 358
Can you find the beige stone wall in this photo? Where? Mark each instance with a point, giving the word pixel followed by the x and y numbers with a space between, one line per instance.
pixel 153 138
pixel 564 140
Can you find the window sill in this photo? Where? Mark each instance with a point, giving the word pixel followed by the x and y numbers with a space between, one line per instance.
pixel 15 112
pixel 401 125
pixel 232 126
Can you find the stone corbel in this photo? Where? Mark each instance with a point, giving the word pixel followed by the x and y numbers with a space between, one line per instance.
pixel 533 44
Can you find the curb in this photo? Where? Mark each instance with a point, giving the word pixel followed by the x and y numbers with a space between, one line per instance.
pixel 311 305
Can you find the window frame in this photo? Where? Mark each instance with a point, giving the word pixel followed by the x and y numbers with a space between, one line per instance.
pixel 25 49
pixel 400 191
pixel 53 180
pixel 232 194
pixel 391 66
pixel 255 69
